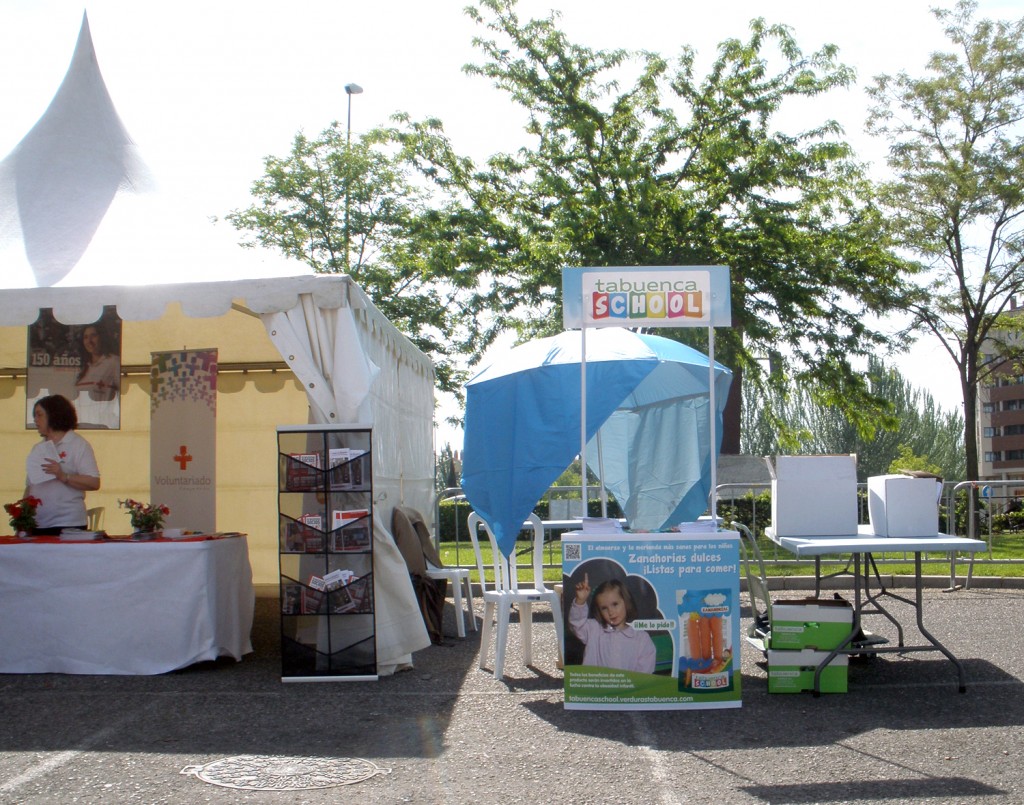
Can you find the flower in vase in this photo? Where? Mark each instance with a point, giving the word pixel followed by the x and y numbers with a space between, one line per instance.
pixel 23 513
pixel 145 516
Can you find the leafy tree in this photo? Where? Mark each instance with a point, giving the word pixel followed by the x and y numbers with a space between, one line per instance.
pixel 448 469
pixel 921 429
pixel 328 193
pixel 572 476
pixel 630 160
pixel 677 169
pixel 906 460
pixel 956 198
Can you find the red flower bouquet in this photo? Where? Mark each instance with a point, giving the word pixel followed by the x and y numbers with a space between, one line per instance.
pixel 23 513
pixel 145 516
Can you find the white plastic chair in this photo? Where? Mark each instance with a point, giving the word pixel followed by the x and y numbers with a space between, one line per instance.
pixel 505 591
pixel 413 539
pixel 459 579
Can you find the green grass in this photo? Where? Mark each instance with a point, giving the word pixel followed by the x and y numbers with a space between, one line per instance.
pixel 1007 551
pixel 462 554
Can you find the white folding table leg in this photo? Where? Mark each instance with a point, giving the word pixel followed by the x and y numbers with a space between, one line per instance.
pixel 556 611
pixel 500 640
pixel 460 626
pixel 526 627
pixel 469 600
pixel 485 635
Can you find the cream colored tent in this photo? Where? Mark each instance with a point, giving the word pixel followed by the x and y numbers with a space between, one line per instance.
pixel 343 362
pixel 291 349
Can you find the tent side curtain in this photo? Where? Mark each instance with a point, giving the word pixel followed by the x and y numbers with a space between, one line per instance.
pixel 322 348
pixel 401 400
pixel 356 367
pixel 336 352
pixel 521 435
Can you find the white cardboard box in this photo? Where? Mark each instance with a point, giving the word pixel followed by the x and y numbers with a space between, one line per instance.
pixel 902 506
pixel 814 496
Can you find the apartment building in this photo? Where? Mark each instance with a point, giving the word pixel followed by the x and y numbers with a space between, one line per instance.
pixel 1001 414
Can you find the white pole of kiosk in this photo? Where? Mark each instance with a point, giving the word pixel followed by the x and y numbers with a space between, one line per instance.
pixel 583 417
pixel 583 436
pixel 712 420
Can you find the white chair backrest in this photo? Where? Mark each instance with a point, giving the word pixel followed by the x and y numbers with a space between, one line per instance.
pixel 475 522
pixel 506 568
pixel 537 552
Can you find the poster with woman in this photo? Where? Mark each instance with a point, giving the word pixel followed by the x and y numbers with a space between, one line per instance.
pixel 79 361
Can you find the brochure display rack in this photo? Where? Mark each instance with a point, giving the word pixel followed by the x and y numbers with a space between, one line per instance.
pixel 325 536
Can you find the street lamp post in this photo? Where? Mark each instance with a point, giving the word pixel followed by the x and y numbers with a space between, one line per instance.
pixel 350 90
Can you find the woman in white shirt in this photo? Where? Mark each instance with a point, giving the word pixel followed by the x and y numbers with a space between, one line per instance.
pixel 60 469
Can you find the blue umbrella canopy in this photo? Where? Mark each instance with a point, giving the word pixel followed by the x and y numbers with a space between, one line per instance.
pixel 648 396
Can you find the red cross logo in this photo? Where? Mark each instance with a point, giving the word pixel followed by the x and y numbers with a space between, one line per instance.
pixel 183 458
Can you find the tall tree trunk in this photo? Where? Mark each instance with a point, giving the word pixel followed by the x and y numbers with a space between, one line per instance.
pixel 731 416
pixel 970 431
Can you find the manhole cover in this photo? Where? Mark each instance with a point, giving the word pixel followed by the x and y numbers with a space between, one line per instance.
pixel 272 773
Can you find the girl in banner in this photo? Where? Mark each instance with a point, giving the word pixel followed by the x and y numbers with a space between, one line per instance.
pixel 60 469
pixel 609 639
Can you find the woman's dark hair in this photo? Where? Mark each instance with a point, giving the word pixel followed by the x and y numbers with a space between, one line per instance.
pixel 623 590
pixel 107 343
pixel 60 413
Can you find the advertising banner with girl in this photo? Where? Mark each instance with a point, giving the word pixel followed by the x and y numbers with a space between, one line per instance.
pixel 652 621
pixel 81 362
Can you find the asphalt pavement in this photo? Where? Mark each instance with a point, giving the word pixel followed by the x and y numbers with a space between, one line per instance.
pixel 448 732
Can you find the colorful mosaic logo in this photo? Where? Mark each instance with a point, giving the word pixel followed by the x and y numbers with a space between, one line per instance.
pixel 187 376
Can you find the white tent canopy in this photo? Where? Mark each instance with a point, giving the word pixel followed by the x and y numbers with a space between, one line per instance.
pixel 77 208
pixel 78 204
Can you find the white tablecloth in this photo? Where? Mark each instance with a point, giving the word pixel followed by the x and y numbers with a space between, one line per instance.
pixel 123 607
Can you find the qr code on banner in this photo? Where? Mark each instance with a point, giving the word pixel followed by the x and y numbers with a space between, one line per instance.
pixel 571 552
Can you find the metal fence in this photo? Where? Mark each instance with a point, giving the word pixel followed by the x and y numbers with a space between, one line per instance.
pixel 968 509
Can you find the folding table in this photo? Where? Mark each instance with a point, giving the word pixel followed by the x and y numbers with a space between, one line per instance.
pixel 861 547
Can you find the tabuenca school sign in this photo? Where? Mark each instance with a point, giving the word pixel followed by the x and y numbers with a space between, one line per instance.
pixel 646 296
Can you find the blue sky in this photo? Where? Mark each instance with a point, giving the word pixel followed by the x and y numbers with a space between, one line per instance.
pixel 208 89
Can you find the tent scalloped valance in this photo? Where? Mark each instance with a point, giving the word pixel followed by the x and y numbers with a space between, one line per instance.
pixel 81 305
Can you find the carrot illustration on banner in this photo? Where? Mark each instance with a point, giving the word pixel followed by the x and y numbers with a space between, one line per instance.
pixel 705 661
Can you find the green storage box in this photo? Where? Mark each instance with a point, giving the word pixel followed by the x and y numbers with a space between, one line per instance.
pixel 818 624
pixel 793 671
